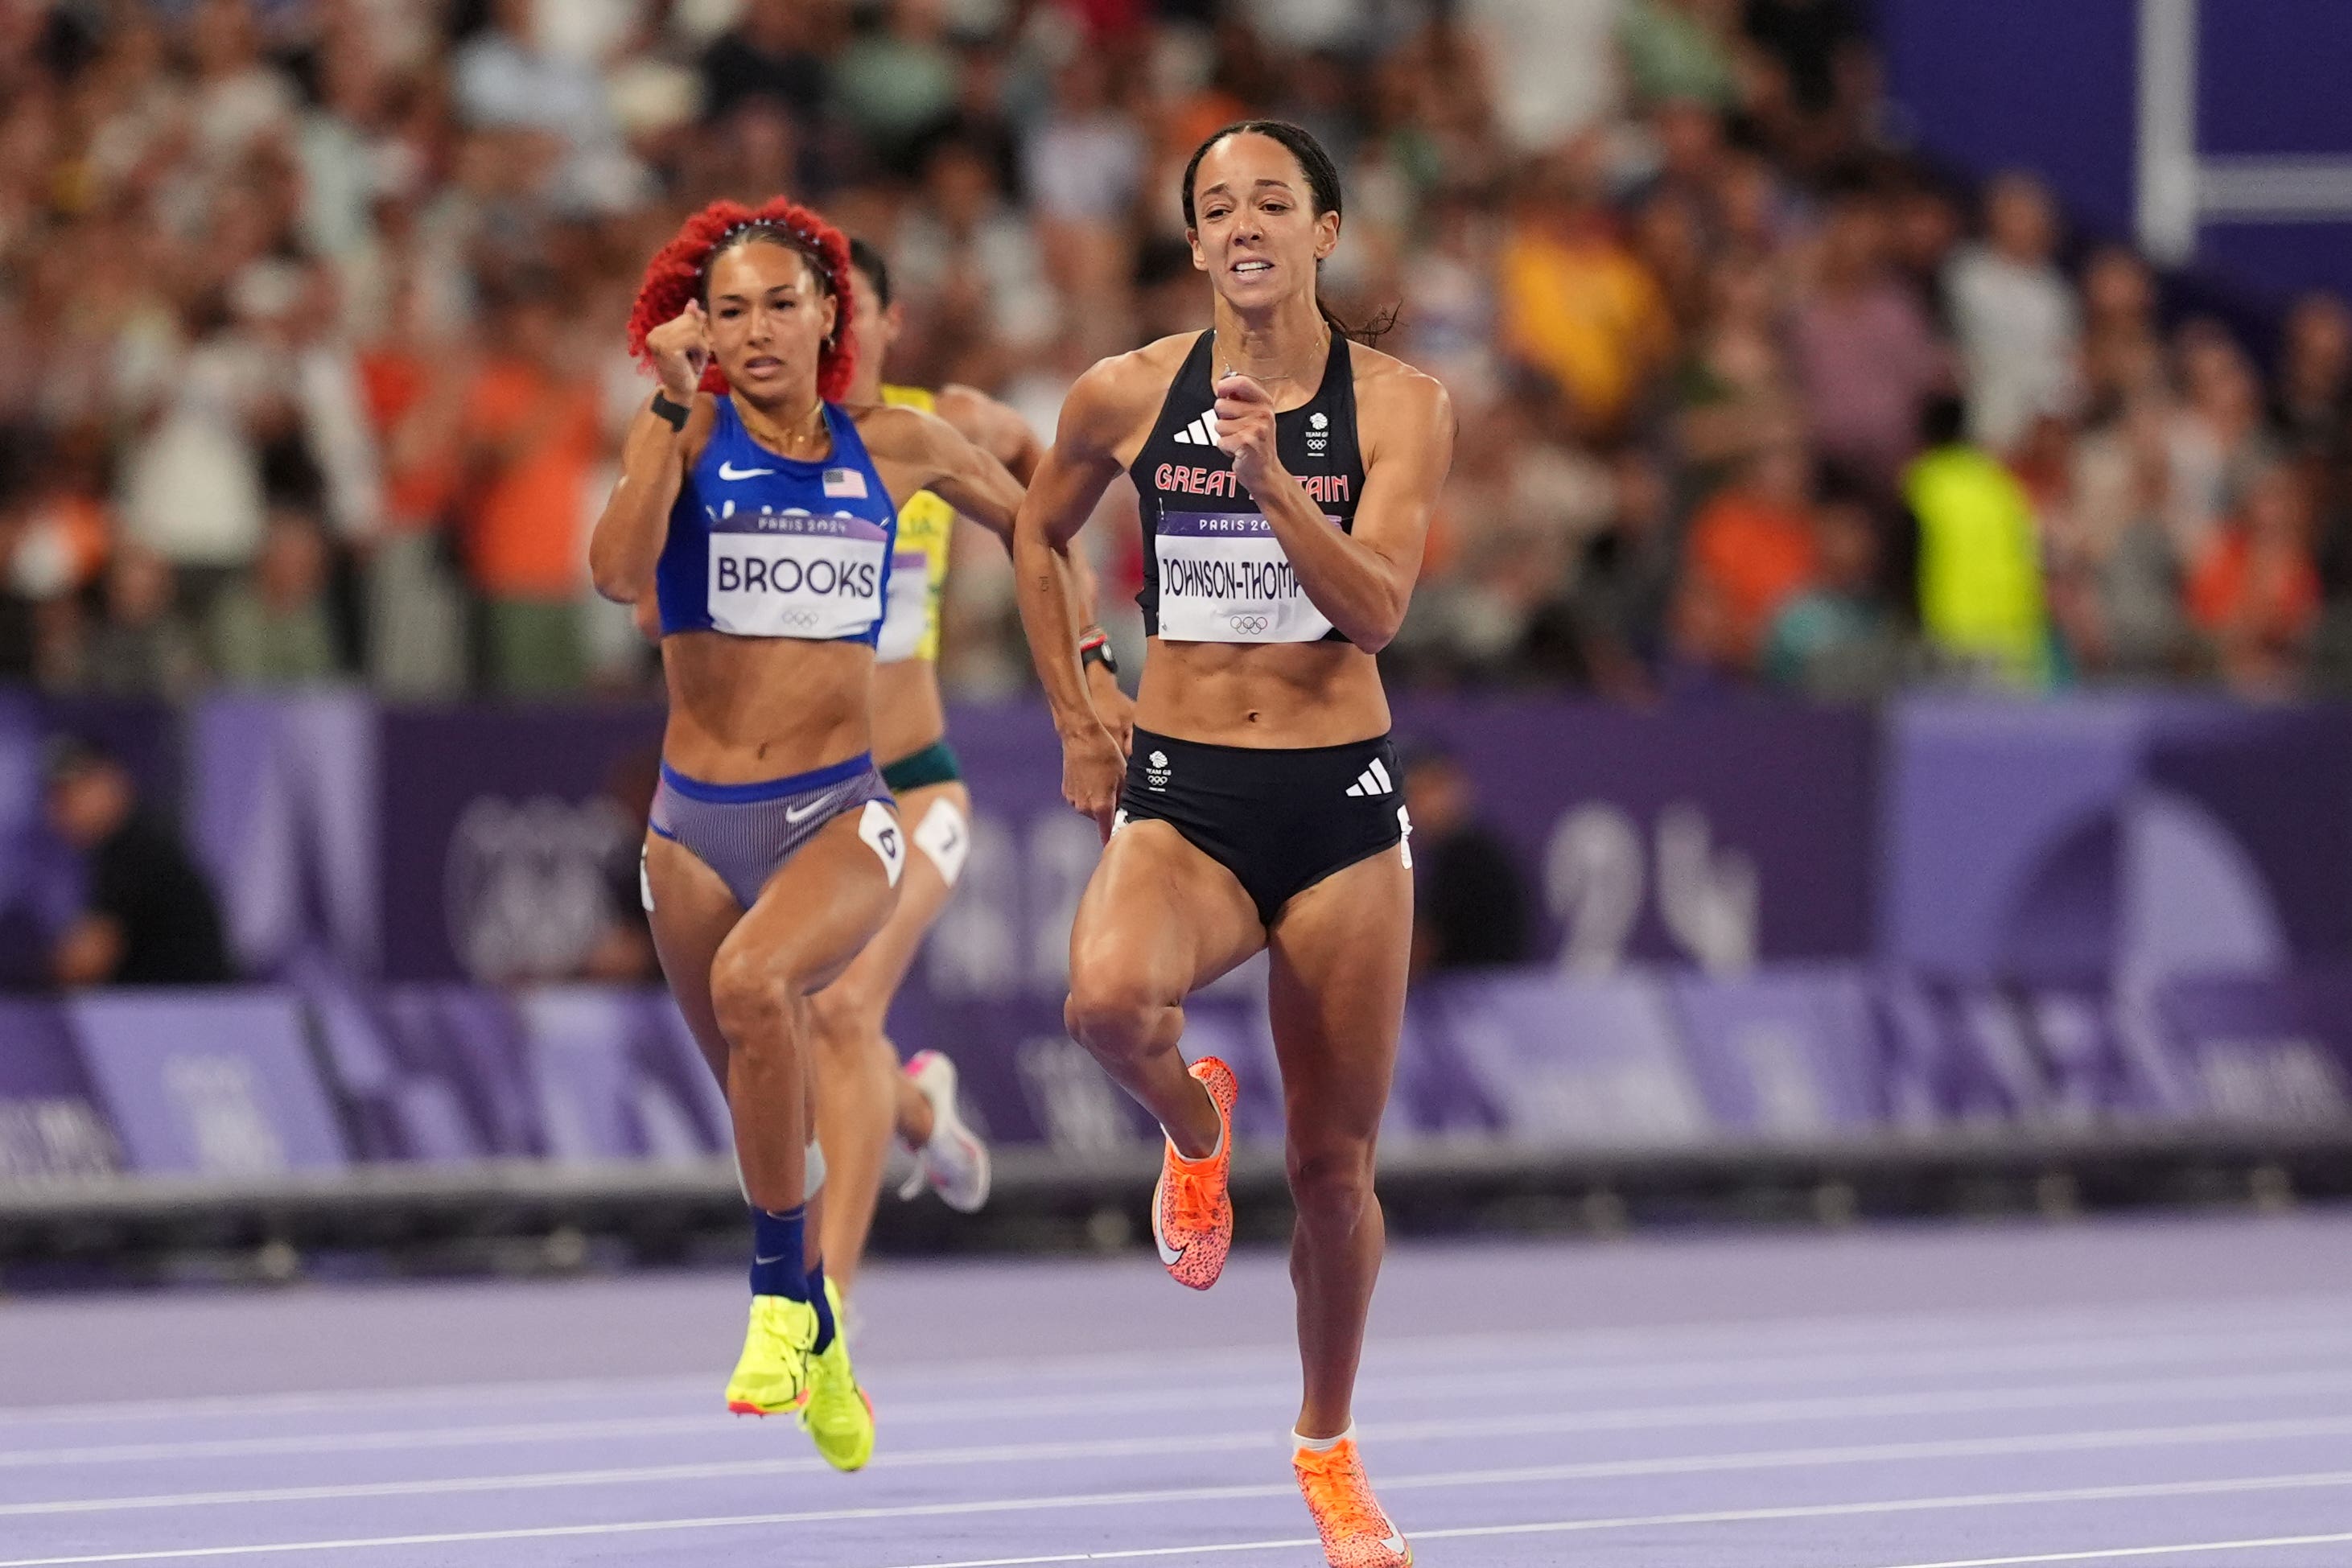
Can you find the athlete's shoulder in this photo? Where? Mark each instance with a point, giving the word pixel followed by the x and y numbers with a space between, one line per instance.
pixel 1392 396
pixel 1116 395
pixel 899 431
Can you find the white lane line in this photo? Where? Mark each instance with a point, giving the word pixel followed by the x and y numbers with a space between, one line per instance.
pixel 1268 1394
pixel 2109 1554
pixel 2304 1482
pixel 2093 1324
pixel 2094 1441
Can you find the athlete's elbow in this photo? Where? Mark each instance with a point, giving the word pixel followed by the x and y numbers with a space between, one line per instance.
pixel 1378 626
pixel 620 581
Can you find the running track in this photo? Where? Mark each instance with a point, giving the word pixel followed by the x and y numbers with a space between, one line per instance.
pixel 2162 1392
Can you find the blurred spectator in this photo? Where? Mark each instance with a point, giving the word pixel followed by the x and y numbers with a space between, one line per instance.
pixel 139 646
pixel 1864 355
pixel 1813 93
pixel 149 915
pixel 1980 594
pixel 623 952
pixel 2216 436
pixel 2123 359
pixel 1679 49
pixel 2115 580
pixel 1838 639
pixel 272 629
pixel 898 80
pixel 1471 907
pixel 1752 549
pixel 2255 590
pixel 2014 314
pixel 2310 410
pixel 776 52
pixel 416 387
pixel 531 442
pixel 1576 304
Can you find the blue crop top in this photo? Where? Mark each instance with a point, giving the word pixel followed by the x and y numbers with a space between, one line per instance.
pixel 763 546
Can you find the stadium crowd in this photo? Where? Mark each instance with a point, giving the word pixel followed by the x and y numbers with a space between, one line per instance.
pixel 311 366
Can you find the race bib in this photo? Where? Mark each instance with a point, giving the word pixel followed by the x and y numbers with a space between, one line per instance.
pixel 909 612
pixel 794 574
pixel 1225 578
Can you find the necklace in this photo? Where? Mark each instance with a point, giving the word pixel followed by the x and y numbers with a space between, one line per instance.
pixel 1322 353
pixel 807 434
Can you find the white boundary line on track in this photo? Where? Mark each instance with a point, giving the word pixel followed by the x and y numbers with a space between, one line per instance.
pixel 1816 1368
pixel 1635 1417
pixel 2110 1554
pixel 2305 1482
pixel 2078 1442
pixel 2089 1321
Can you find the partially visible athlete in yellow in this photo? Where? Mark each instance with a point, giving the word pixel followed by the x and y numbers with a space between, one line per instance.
pixel 863 1098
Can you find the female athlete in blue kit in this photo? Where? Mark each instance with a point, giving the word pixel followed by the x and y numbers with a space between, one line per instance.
pixel 762 515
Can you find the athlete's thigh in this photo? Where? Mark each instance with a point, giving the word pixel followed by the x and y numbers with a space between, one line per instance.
pixel 939 840
pixel 823 903
pixel 1160 912
pixel 1336 994
pixel 690 912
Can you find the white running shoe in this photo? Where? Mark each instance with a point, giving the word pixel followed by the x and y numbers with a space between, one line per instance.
pixel 955 1162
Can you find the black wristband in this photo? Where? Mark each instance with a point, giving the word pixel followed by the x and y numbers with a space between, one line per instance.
pixel 670 413
pixel 1097 653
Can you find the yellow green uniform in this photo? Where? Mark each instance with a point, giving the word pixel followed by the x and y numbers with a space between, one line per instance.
pixel 919 569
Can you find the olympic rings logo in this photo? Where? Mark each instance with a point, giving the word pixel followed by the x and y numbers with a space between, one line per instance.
pixel 1248 625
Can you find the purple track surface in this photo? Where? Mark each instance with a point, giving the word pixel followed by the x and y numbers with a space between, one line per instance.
pixel 2159 1393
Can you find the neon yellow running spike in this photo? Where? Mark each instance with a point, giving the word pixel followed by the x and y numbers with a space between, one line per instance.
pixel 836 1415
pixel 774 1374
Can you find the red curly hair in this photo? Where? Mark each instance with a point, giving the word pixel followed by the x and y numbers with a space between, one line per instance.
pixel 680 272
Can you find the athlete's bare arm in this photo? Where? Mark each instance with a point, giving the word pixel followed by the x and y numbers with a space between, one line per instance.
pixel 992 427
pixel 1107 412
pixel 929 454
pixel 1361 580
pixel 627 542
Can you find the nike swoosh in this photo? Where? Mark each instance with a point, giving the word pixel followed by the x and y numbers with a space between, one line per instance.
pixel 1394 1540
pixel 1170 1255
pixel 777 1258
pixel 729 472
pixel 802 814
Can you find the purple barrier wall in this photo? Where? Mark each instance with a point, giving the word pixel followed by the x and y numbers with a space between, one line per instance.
pixel 2064 843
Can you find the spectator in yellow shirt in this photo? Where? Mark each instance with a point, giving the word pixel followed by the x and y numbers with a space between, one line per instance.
pixel 1577 304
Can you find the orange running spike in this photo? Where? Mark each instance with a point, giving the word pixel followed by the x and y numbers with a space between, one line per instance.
pixel 1356 1533
pixel 1192 1212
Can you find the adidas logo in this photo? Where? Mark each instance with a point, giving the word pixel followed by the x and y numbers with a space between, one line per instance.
pixel 1202 432
pixel 1374 780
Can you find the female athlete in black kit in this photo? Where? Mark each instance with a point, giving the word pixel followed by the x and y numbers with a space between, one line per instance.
pixel 1287 477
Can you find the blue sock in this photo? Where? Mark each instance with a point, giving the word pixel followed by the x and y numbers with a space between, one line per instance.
pixel 779 1249
pixel 824 1326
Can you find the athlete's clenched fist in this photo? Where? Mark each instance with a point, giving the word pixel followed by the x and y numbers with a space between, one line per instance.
pixel 680 348
pixel 1245 431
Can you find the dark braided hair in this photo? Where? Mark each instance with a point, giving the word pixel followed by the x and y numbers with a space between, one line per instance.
pixel 1322 192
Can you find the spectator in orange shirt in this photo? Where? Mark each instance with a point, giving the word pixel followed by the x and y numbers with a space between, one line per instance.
pixel 1750 550
pixel 415 384
pixel 533 439
pixel 2254 589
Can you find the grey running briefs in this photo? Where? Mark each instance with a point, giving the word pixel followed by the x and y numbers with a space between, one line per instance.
pixel 744 831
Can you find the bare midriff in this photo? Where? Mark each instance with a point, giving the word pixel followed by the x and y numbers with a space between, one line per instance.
pixel 909 714
pixel 1290 695
pixel 743 710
